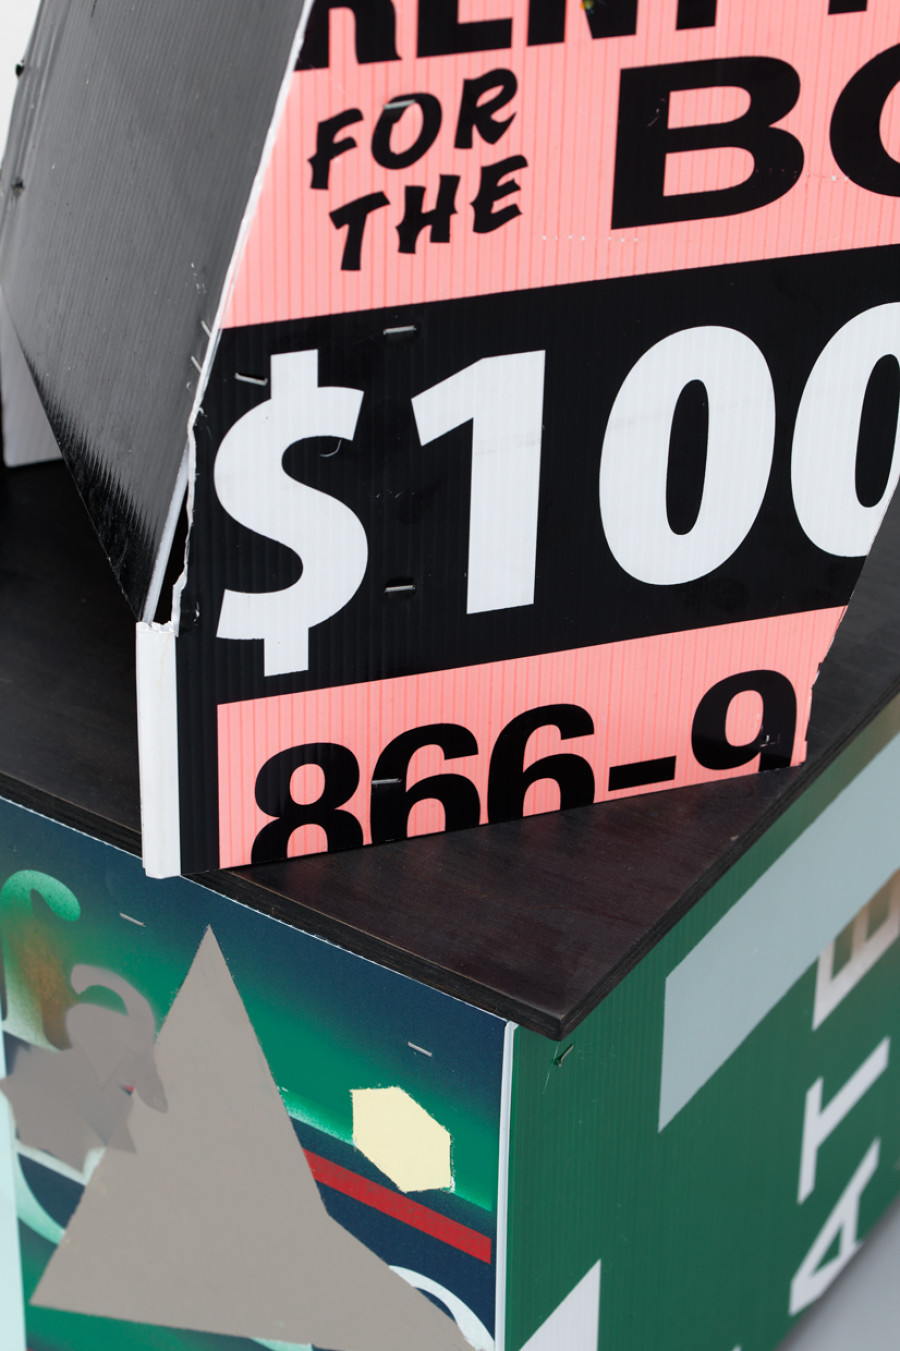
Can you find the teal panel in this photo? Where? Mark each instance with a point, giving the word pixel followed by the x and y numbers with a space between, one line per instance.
pixel 328 1022
pixel 698 1225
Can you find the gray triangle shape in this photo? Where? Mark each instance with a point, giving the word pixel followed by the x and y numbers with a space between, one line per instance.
pixel 215 1222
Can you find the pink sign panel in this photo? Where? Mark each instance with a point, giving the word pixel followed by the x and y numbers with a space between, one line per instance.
pixel 553 414
pixel 594 723
pixel 564 154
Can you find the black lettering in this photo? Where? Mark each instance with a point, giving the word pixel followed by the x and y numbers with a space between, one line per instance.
pixel 645 139
pixel 696 14
pixel 273 796
pixel 441 33
pixel 606 19
pixel 688 442
pixel 856 126
pixel 415 219
pixel 491 189
pixel 879 423
pixel 391 114
pixel 508 782
pixel 392 801
pixel 477 116
pixel 327 148
pixel 641 773
pixel 354 215
pixel 376 26
pixel 773 743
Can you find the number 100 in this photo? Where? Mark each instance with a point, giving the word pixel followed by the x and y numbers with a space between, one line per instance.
pixel 503 398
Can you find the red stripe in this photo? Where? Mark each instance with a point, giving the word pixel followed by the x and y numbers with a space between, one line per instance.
pixel 399 1207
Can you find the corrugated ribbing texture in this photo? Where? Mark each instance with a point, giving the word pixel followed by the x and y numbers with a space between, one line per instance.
pixel 566 127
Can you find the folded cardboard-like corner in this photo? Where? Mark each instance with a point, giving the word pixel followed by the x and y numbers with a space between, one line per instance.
pixel 528 459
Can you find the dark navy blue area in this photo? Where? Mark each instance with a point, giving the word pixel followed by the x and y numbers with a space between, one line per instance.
pixel 58 1195
pixel 375 1010
pixel 443 1202
pixel 400 1246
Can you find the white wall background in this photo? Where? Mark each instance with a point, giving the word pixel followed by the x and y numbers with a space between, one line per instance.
pixel 16 22
pixel 27 437
pixel 861 1311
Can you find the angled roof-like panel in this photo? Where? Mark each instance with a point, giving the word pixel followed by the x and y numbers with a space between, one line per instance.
pixel 137 132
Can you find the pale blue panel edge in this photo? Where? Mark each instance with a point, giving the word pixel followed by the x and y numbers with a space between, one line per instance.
pixel 728 983
pixel 12 1311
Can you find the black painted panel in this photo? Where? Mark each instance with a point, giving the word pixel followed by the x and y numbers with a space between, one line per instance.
pixel 413 502
pixel 136 135
pixel 536 919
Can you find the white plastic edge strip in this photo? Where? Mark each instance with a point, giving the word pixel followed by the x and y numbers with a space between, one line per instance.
pixel 157 712
pixel 12 1311
pixel 506 1077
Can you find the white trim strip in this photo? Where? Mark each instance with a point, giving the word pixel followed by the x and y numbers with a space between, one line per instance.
pixel 506 1077
pixel 158 749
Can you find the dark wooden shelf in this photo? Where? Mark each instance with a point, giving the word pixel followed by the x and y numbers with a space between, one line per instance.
pixel 536 920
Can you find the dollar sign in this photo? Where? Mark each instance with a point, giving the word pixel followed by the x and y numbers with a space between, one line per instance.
pixel 255 490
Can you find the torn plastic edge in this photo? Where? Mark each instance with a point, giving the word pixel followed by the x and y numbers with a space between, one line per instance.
pixel 168 535
pixel 155 644
pixel 189 467
pixel 815 679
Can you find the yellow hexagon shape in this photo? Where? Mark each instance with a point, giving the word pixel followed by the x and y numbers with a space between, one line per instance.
pixel 401 1139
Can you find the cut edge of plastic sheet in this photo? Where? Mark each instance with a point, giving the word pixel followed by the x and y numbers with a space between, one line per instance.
pixel 190 461
pixel 158 749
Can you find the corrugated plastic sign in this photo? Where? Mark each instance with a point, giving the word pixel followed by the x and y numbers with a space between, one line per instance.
pixel 553 415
